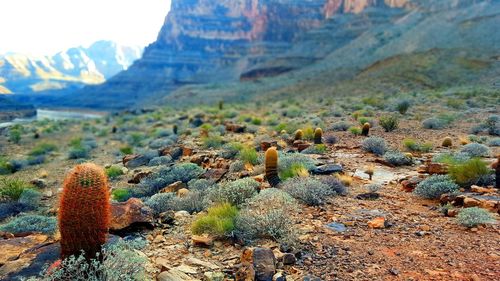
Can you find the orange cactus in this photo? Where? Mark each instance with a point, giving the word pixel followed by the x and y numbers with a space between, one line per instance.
pixel 84 214
pixel 366 129
pixel 318 136
pixel 271 164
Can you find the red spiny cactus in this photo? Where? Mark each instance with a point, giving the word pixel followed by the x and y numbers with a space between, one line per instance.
pixel 84 214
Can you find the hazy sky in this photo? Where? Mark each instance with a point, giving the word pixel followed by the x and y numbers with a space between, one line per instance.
pixel 48 26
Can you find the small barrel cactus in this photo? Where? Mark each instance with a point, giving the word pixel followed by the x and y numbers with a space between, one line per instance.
pixel 447 142
pixel 175 129
pixel 366 129
pixel 298 135
pixel 271 164
pixel 318 136
pixel 84 214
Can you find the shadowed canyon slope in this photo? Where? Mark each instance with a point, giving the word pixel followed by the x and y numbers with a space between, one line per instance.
pixel 218 49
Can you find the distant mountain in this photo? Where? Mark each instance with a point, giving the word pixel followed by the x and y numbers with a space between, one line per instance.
pixel 69 69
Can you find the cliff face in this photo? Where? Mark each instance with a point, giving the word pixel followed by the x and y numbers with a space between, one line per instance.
pixel 214 42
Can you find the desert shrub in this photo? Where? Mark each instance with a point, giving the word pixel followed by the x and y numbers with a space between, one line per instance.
pixel 126 150
pixel 315 149
pixel 5 166
pixel 42 149
pixel 330 139
pixel 363 120
pixel 397 158
pixel 15 136
pixel 307 190
pixel 472 171
pixel 268 215
pixel 78 152
pixel 18 164
pixel 355 130
pixel 30 223
pixel 30 198
pixel 294 164
pixel 193 202
pixel 248 155
pixel 160 202
pixel 13 187
pixel 11 208
pixel 235 192
pixel 373 187
pixel 231 150
pixel 335 185
pixel 160 160
pixel 308 133
pixel 165 176
pixel 213 142
pixel 402 106
pixel 471 217
pixel 121 194
pixel 475 150
pixel 413 145
pixel 135 139
pixel 35 160
pixel 114 172
pixel 433 124
pixel 494 142
pixel 341 126
pixel 375 145
pixel 389 122
pixel 120 261
pixel 200 184
pixel 493 125
pixel 450 158
pixel 219 221
pixel 478 139
pixel 435 186
pixel 160 143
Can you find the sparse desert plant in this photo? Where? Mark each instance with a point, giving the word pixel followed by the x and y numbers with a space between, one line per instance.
pixel 435 186
pixel 370 171
pixel 397 158
pixel 30 198
pixel 127 150
pixel 318 136
pixel 494 142
pixel 315 149
pixel 307 190
pixel 193 202
pixel 471 217
pixel 15 136
pixel 451 158
pixel 271 166
pixel 389 122
pixel 475 150
pixel 345 179
pixel 373 188
pixel 308 133
pixel 235 192
pixel 219 221
pixel 13 187
pixel 248 155
pixel 341 126
pixel 402 106
pixel 330 139
pixel 473 171
pixel 200 184
pixel 160 202
pixel 121 194
pixel 268 215
pixel 375 145
pixel 433 124
pixel 160 160
pixel 213 141
pixel 167 175
pixel 31 223
pixel 5 166
pixel 232 149
pixel 114 172
pixel 414 146
pixel 355 130
pixel 42 149
pixel 84 214
pixel 335 184
pixel 447 142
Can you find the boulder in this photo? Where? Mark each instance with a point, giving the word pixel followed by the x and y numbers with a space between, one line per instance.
pixel 132 212
pixel 377 223
pixel 203 241
pixel 136 179
pixel 261 260
pixel 174 187
pixel 135 160
pixel 173 275
pixel 327 169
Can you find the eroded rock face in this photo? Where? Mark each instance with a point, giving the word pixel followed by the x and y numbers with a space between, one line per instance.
pixel 128 213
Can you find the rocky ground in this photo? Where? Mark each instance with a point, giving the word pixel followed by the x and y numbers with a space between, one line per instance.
pixel 397 236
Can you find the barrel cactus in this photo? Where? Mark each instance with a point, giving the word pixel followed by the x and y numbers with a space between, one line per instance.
pixel 366 129
pixel 271 164
pixel 318 136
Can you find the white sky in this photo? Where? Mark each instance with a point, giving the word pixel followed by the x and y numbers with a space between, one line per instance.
pixel 44 27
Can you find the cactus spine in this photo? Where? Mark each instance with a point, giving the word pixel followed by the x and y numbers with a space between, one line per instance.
pixel 318 136
pixel 366 129
pixel 271 164
pixel 84 214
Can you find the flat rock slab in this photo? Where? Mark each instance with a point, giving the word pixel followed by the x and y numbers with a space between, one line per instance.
pixel 336 226
pixel 327 169
pixel 381 175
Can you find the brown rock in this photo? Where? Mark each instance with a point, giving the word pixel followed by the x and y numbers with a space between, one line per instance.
pixel 6 235
pixel 245 272
pixel 174 187
pixel 203 241
pixel 187 151
pixel 235 128
pixel 12 248
pixel 215 174
pixel 452 213
pixel 136 179
pixel 262 260
pixel 471 202
pixel 265 145
pixel 433 168
pixel 482 190
pixel 200 159
pixel 410 184
pixel 377 223
pixel 183 192
pixel 125 214
pixel 289 259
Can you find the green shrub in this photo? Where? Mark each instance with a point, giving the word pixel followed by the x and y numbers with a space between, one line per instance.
pixel 413 145
pixel 213 142
pixel 341 126
pixel 121 194
pixel 5 166
pixel 268 215
pixel 13 187
pixel 294 164
pixel 475 150
pixel 193 202
pixel 249 155
pixel 315 149
pixel 42 149
pixel 471 217
pixel 232 149
pixel 31 223
pixel 15 136
pixel 257 121
pixel 364 120
pixel 219 221
pixel 126 150
pixel 375 145
pixel 451 158
pixel 389 122
pixel 30 198
pixel 307 190
pixel 435 186
pixel 160 202
pixel 397 158
pixel 469 172
pixel 433 124
pixel 355 130
pixel 402 106
pixel 234 192
pixel 114 172
pixel 78 152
